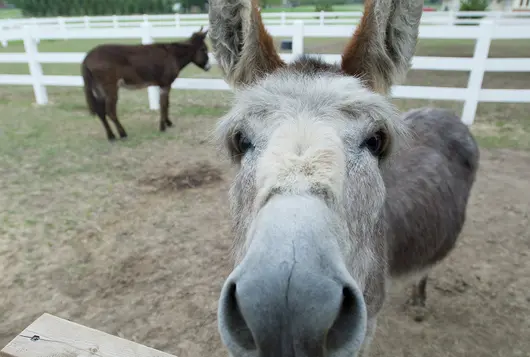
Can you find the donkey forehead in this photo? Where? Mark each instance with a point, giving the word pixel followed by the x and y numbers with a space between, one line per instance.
pixel 325 97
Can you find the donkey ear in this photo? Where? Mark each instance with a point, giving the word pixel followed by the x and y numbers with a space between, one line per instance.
pixel 242 47
pixel 382 47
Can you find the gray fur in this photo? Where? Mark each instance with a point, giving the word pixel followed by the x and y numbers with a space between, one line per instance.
pixel 445 156
pixel 321 225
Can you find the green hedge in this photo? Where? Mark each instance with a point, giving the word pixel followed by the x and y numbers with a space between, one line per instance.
pixel 92 7
pixel 472 5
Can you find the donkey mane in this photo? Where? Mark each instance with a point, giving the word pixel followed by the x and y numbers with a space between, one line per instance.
pixel 313 65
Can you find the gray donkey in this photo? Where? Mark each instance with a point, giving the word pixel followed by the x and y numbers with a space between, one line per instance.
pixel 336 194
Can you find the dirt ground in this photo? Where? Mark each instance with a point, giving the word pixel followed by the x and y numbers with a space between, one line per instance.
pixel 133 238
pixel 139 248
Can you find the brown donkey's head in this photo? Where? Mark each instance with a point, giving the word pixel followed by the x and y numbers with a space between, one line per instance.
pixel 310 141
pixel 200 56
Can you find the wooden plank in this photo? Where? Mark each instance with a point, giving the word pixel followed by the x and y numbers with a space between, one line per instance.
pixel 51 336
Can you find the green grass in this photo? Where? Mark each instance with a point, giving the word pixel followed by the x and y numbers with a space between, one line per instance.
pixel 496 125
pixel 64 126
pixel 10 13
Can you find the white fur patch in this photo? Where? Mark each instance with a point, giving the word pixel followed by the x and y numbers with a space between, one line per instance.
pixel 302 155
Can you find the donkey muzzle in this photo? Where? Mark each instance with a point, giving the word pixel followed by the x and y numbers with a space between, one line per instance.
pixel 292 294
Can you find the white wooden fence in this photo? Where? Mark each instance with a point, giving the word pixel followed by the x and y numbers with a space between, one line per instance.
pixel 471 95
pixel 321 18
pixel 10 28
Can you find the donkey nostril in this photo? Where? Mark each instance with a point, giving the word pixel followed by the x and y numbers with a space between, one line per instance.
pixel 348 325
pixel 235 323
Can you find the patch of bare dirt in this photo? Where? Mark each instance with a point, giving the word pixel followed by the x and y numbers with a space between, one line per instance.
pixel 193 175
pixel 153 270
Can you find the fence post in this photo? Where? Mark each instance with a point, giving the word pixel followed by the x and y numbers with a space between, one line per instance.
pixel 153 93
pixel 3 29
pixel 322 16
pixel 298 38
pixel 282 17
pixel 474 85
pixel 62 26
pixel 87 22
pixel 451 17
pixel 115 21
pixel 498 17
pixel 35 69
pixel 177 20
pixel 3 39
pixel 36 28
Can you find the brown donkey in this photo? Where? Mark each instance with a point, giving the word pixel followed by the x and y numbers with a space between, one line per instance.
pixel 336 194
pixel 108 67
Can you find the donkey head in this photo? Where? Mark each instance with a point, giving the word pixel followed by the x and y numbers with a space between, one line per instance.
pixel 310 141
pixel 200 56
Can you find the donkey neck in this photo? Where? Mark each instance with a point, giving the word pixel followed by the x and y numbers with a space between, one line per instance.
pixel 183 53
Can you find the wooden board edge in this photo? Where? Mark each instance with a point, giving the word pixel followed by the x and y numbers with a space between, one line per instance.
pixel 52 336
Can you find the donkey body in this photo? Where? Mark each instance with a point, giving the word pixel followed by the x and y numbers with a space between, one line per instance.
pixel 428 186
pixel 336 194
pixel 108 67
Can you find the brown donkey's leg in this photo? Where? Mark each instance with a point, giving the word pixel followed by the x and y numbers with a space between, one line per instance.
pixel 164 107
pixel 101 112
pixel 111 103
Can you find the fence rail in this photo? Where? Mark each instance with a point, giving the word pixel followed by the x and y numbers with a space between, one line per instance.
pixel 321 18
pixel 10 28
pixel 477 65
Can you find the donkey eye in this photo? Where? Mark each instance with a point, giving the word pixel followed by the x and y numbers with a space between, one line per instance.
pixel 241 143
pixel 377 143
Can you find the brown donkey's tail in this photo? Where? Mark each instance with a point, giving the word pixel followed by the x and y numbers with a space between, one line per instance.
pixel 95 105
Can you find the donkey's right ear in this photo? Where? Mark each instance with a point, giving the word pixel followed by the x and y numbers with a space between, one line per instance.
pixel 242 47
